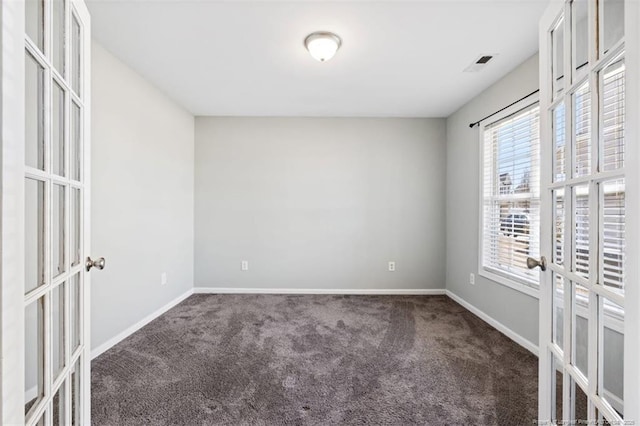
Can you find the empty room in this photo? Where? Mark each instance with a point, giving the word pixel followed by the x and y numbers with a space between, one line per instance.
pixel 261 212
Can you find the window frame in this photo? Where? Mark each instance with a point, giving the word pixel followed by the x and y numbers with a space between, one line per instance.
pixel 529 287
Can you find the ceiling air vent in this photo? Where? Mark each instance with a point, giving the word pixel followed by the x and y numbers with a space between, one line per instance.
pixel 480 62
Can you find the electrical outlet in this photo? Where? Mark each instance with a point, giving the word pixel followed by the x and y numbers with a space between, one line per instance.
pixel 245 265
pixel 163 278
pixel 472 279
pixel 392 266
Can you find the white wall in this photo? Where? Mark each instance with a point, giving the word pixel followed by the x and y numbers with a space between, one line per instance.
pixel 320 203
pixel 516 310
pixel 142 197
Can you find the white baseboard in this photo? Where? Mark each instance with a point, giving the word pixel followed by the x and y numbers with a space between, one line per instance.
pixel 531 347
pixel 221 290
pixel 32 393
pixel 137 326
pixel 231 290
pixel 353 291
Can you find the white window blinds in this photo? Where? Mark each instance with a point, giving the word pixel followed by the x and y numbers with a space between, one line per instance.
pixel 612 192
pixel 511 196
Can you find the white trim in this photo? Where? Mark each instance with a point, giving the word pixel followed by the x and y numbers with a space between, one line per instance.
pixel 632 133
pixel 228 290
pixel 525 343
pixel 553 18
pixel 95 352
pixel 514 283
pixel 32 393
pixel 354 291
pixel 78 9
pixel 12 145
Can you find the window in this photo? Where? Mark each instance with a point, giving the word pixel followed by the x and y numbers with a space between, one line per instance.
pixel 510 197
pixel 613 191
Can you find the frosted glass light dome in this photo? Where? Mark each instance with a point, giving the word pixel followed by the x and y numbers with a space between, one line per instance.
pixel 322 45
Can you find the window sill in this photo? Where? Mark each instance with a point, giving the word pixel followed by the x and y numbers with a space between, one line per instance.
pixel 511 283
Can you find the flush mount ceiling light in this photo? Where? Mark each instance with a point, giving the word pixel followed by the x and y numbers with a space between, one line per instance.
pixel 322 45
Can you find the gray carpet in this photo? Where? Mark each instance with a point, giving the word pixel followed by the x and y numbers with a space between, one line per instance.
pixel 315 360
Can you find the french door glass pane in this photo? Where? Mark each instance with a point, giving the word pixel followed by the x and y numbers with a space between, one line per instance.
pixel 581 229
pixel 34 234
pixel 582 130
pixel 41 421
pixel 75 393
pixel 558 232
pixel 74 305
pixel 612 115
pixel 557 58
pixel 34 355
pixel 58 233
pixel 580 328
pixel 612 261
pixel 76 140
pixel 601 420
pixel 34 113
pixel 559 136
pixel 59 405
pixel 612 23
pixel 559 293
pixel 58 28
pixel 579 404
pixel 57 131
pixel 556 390
pixel 75 226
pixel 57 330
pixel 580 36
pixel 612 357
pixel 75 55
pixel 34 21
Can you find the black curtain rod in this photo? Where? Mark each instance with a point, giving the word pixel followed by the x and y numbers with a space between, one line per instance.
pixel 472 125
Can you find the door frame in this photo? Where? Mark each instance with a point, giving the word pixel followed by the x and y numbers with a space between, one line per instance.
pixel 80 8
pixel 12 210
pixel 632 296
pixel 12 123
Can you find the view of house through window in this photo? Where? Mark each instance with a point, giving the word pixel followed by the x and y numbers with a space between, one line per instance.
pixel 511 196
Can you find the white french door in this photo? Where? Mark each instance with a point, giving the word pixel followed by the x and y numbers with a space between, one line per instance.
pixel 585 196
pixel 49 327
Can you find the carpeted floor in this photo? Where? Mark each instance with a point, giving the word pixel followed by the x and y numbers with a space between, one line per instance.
pixel 315 360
